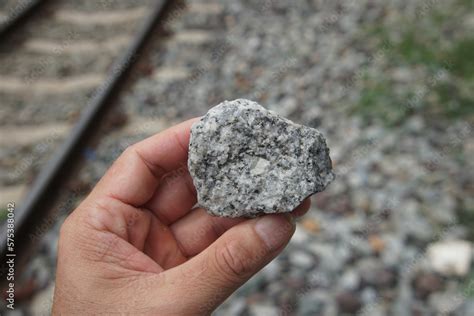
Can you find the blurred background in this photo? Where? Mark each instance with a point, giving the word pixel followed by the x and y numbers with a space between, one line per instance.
pixel 389 83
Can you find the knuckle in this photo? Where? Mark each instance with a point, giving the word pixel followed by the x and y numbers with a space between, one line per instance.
pixel 234 262
pixel 130 149
pixel 128 153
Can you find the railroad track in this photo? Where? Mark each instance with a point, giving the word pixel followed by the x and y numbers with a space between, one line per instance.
pixel 49 69
pixel 65 57
pixel 58 70
pixel 13 13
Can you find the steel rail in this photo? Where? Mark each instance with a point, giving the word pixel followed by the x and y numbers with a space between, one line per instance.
pixel 42 193
pixel 19 16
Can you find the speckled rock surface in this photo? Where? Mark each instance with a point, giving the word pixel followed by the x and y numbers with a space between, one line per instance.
pixel 246 160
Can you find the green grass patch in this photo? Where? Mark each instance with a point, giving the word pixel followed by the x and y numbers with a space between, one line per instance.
pixel 451 102
pixel 419 45
pixel 467 4
pixel 3 215
pixel 414 48
pixel 466 219
pixel 461 57
pixel 378 103
pixel 468 285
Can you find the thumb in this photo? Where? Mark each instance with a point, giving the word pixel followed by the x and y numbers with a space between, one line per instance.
pixel 210 277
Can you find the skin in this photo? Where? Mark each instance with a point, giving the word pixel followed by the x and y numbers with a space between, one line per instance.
pixel 136 245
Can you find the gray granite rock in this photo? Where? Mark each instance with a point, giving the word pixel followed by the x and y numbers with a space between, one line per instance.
pixel 246 160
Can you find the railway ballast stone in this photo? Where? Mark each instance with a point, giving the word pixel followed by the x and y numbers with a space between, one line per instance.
pixel 246 161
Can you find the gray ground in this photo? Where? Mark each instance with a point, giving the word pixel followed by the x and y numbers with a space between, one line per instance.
pixel 389 85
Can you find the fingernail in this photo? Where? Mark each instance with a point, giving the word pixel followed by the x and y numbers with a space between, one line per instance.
pixel 275 230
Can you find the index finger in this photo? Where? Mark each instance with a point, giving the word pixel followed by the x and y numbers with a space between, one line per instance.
pixel 135 175
pixel 168 150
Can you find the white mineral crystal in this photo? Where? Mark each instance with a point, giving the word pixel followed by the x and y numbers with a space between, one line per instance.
pixel 246 160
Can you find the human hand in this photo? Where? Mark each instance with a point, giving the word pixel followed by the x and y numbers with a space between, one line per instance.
pixel 135 245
